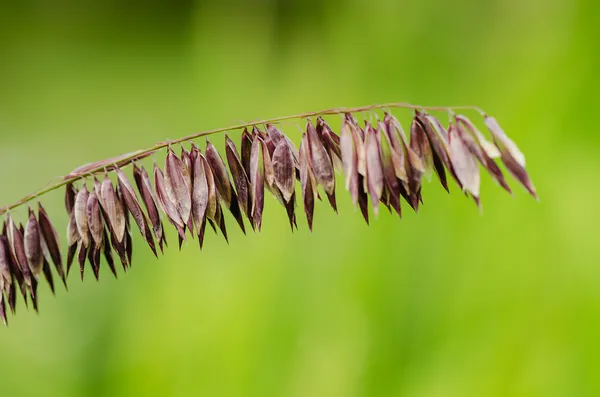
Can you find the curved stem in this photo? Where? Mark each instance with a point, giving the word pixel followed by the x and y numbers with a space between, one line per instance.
pixel 129 158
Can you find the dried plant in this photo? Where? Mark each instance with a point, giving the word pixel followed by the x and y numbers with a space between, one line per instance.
pixel 379 160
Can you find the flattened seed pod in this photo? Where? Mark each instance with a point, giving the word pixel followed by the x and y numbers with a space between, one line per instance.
pixel 33 248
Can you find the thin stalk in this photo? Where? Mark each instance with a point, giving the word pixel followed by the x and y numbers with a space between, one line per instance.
pixel 129 158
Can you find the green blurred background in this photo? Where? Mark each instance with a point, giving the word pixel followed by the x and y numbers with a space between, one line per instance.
pixel 445 303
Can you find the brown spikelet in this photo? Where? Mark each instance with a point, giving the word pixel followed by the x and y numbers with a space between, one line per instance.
pixel 132 204
pixel 17 247
pixel 220 174
pixel 331 141
pixel 165 202
pixel 284 169
pixel 257 179
pixel 375 181
pixel 50 242
pixel 483 150
pixel 80 211
pixel 33 248
pixel 5 267
pixel 319 159
pixel 246 150
pixel 306 181
pixel 70 193
pixel 463 162
pixel 177 185
pixel 94 217
pixel 200 194
pixel 511 156
pixel 113 209
pixel 349 158
pixel 391 180
pixel 149 199
pixel 240 177
pixel 224 186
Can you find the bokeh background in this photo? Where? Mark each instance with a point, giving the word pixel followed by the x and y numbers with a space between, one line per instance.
pixel 448 302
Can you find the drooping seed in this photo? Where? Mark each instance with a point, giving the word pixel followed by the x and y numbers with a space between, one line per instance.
pixel 135 209
pixel 246 150
pixel 284 169
pixel 33 249
pixel 5 271
pixel 17 247
pixel 257 180
pixel 511 156
pixel 482 149
pixel 113 209
pixel 51 239
pixel 81 219
pixel 306 181
pixel 177 185
pixel 375 180
pixel 240 178
pixel 220 173
pixel 331 142
pixel 94 217
pixel 149 199
pixel 199 194
pixel 390 178
pixel 320 160
pixel 70 194
pixel 165 202
pixel 463 162
pixel 349 159
pixel 213 202
pixel 223 183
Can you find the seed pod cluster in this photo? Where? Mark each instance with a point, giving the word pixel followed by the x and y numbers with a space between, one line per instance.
pixel 381 164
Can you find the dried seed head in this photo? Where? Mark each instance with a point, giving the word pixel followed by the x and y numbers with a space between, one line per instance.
pixel 378 161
